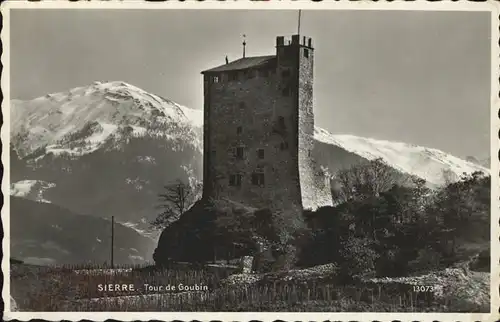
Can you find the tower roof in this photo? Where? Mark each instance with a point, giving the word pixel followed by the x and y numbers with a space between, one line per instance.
pixel 243 63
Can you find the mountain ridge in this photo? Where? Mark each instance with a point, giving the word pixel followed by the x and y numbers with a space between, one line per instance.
pixel 102 109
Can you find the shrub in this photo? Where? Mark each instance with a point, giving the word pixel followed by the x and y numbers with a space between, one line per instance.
pixel 358 258
pixel 427 260
pixel 286 258
pixel 263 261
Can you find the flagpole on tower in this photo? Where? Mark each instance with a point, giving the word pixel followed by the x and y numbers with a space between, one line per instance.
pixel 298 28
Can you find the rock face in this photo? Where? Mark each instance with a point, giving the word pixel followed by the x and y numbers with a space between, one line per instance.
pixel 199 235
pixel 221 230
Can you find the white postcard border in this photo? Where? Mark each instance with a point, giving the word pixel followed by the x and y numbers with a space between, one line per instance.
pixel 491 6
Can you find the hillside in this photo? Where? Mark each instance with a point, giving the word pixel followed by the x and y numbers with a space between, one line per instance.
pixel 43 233
pixel 79 135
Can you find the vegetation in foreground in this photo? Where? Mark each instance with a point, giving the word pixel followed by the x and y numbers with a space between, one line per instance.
pixel 38 288
pixel 382 224
pixel 379 227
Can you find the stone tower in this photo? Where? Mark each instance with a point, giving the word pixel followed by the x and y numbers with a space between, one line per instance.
pixel 259 128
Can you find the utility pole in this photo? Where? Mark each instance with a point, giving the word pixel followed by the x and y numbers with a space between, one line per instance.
pixel 244 45
pixel 112 240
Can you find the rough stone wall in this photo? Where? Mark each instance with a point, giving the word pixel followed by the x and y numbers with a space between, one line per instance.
pixel 254 104
pixel 269 119
pixel 315 187
pixel 207 180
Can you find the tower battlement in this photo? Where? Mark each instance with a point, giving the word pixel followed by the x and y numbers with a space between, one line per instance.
pixel 294 40
pixel 259 128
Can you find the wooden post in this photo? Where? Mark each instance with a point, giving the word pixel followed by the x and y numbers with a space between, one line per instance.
pixel 244 45
pixel 112 240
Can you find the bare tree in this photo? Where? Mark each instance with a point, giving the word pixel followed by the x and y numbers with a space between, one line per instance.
pixel 364 179
pixel 175 201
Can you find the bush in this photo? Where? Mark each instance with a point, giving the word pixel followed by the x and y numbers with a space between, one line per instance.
pixel 481 262
pixel 427 260
pixel 263 261
pixel 358 258
pixel 396 230
pixel 286 258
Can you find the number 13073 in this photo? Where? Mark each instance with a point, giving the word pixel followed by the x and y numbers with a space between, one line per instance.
pixel 423 288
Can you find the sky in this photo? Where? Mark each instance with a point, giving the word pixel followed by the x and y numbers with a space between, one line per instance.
pixel 412 76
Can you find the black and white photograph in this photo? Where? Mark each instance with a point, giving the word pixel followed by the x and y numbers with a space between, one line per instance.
pixel 196 159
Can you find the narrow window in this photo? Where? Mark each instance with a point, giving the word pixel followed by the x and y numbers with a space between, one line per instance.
pixel 215 79
pixel 234 76
pixel 213 154
pixel 284 146
pixel 235 180
pixel 254 179
pixel 306 53
pixel 239 153
pixel 239 129
pixel 260 153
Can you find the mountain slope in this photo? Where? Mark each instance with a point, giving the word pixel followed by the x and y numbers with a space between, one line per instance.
pixel 43 233
pixel 83 119
pixel 108 148
pixel 433 165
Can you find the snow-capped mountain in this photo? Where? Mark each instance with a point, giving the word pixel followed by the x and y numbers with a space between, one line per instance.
pixel 433 165
pixel 84 119
pixel 484 161
pixel 109 148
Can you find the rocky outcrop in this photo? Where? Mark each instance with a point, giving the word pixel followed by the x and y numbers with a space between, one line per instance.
pixel 224 229
pixel 206 232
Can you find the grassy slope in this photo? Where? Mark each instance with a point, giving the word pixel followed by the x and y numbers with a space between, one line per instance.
pixel 48 233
